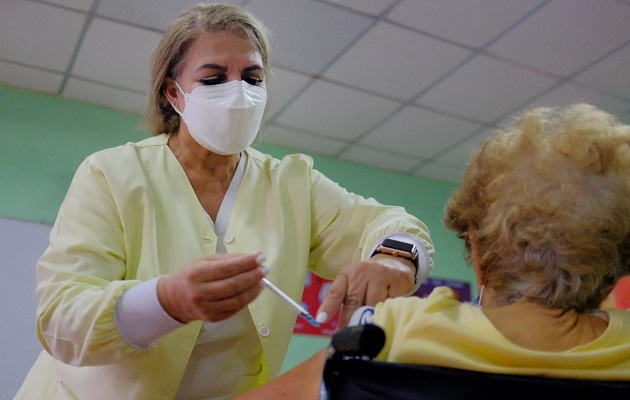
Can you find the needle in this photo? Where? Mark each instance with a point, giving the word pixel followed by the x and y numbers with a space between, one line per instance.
pixel 301 311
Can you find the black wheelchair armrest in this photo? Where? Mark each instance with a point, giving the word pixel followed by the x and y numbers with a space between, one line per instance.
pixel 358 341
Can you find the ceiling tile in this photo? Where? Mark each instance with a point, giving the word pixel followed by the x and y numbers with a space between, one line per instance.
pixel 282 87
pixel 105 96
pixel 378 159
pixel 611 74
pixel 278 136
pixel 418 133
pixel 485 89
pixel 38 34
pixel 373 7
pixel 471 22
pixel 116 54
pixel 378 56
pixel 156 14
pixel 566 35
pixel 439 172
pixel 83 5
pixel 30 78
pixel 459 155
pixel 335 111
pixel 570 93
pixel 307 35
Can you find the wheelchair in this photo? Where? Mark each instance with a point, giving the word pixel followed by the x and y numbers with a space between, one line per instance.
pixel 350 373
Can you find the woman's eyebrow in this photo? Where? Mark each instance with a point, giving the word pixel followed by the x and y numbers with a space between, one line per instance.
pixel 254 67
pixel 221 68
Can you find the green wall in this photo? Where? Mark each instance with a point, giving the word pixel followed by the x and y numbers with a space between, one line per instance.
pixel 44 138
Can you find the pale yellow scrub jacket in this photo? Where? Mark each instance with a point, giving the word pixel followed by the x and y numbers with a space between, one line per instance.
pixel 131 214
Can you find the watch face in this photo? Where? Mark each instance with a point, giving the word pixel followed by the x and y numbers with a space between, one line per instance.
pixel 395 244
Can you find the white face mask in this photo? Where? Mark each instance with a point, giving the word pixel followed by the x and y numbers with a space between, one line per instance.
pixel 224 118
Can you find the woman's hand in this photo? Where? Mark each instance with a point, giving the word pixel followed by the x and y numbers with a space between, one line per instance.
pixel 212 288
pixel 366 283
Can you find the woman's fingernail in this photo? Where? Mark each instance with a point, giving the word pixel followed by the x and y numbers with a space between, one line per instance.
pixel 321 317
pixel 265 270
pixel 260 258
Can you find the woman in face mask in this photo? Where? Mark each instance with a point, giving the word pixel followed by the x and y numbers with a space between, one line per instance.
pixel 152 286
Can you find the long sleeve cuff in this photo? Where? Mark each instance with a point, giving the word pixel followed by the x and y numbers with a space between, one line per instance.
pixel 139 316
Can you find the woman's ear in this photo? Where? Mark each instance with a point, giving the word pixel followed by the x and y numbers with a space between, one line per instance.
pixel 171 92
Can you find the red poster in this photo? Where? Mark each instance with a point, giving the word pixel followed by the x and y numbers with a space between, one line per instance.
pixel 314 291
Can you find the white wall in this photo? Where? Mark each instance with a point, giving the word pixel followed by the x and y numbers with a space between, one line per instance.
pixel 21 244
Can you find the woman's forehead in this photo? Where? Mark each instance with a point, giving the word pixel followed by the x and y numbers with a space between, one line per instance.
pixel 223 47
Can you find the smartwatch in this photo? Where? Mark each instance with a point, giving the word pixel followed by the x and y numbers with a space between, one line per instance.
pixel 397 249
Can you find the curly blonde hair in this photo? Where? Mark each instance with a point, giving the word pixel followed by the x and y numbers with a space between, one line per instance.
pixel 168 57
pixel 549 198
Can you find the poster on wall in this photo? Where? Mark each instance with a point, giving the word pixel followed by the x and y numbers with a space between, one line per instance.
pixel 315 289
pixel 461 288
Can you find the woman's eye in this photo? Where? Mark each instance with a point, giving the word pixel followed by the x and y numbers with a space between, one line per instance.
pixel 254 81
pixel 211 81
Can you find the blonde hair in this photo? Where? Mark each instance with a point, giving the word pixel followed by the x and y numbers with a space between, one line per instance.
pixel 169 55
pixel 549 198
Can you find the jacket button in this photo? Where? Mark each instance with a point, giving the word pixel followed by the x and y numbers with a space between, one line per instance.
pixel 228 238
pixel 263 331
